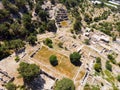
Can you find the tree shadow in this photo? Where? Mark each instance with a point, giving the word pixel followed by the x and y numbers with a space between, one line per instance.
pixel 36 84
pixel 78 63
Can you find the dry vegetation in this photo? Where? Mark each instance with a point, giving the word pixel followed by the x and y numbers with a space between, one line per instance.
pixel 64 66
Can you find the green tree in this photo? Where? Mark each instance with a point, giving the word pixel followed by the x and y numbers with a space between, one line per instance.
pixel 98 60
pixel 87 41
pixel 108 66
pixel 20 3
pixel 118 78
pixel 48 42
pixel 5 2
pixel 51 26
pixel 77 26
pixel 11 86
pixel 111 58
pixel 28 71
pixel 43 15
pixel 53 60
pixel 17 58
pixel 26 20
pixel 42 29
pixel 32 39
pixel 97 67
pixel 4 52
pixel 64 84
pixel 75 58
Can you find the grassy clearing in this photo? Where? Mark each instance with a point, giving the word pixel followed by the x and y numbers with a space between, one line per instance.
pixel 64 23
pixel 64 65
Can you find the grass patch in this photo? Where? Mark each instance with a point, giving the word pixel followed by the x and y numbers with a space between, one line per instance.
pixel 64 65
pixel 64 23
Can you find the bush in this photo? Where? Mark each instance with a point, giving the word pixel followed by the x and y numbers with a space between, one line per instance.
pixel 28 71
pixel 10 86
pixel 118 64
pixel 17 59
pixel 108 66
pixel 77 26
pixel 48 42
pixel 75 58
pixel 53 60
pixel 60 44
pixel 97 67
pixel 112 59
pixel 98 60
pixel 32 39
pixel 118 78
pixel 64 84
pixel 87 41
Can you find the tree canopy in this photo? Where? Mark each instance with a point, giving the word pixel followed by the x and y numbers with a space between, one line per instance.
pixel 53 60
pixel 75 58
pixel 64 84
pixel 28 71
pixel 10 86
pixel 32 39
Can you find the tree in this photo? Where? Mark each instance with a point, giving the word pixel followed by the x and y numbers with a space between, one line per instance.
pixel 118 78
pixel 98 60
pixel 60 44
pixel 20 3
pixel 108 66
pixel 53 60
pixel 17 58
pixel 32 39
pixel 77 26
pixel 10 86
pixel 15 44
pixel 51 26
pixel 52 1
pixel 111 58
pixel 42 29
pixel 75 58
pixel 97 67
pixel 26 20
pixel 64 84
pixel 48 42
pixel 4 52
pixel 43 15
pixel 87 41
pixel 28 71
pixel 87 19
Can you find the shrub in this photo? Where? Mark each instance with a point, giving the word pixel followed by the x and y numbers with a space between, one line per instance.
pixel 60 44
pixel 87 41
pixel 64 84
pixel 108 66
pixel 97 67
pixel 17 59
pixel 28 71
pixel 32 39
pixel 53 60
pixel 112 59
pixel 10 86
pixel 48 42
pixel 118 78
pixel 98 60
pixel 75 58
